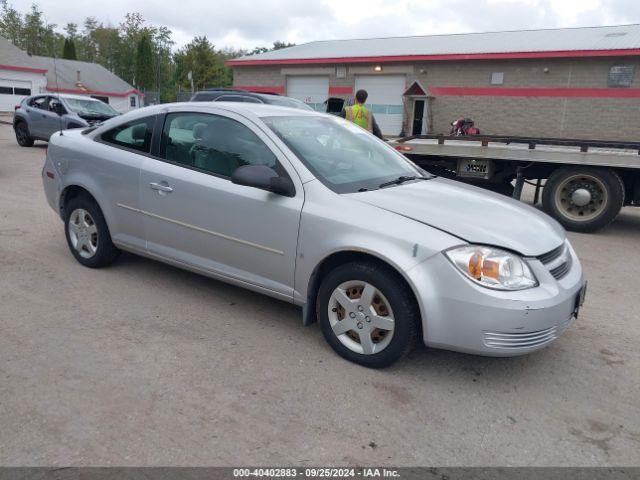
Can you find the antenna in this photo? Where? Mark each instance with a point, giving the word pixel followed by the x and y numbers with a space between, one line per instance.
pixel 55 73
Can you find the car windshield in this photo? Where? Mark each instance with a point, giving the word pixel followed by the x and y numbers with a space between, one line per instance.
pixel 288 102
pixel 340 154
pixel 89 107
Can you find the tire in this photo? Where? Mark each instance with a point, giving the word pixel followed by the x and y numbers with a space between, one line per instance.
pixel 87 233
pixel 391 300
pixel 564 194
pixel 23 137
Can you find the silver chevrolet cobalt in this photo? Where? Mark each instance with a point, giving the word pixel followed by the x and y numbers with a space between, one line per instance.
pixel 313 210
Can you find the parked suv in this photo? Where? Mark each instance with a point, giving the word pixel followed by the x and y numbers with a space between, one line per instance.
pixel 39 116
pixel 228 95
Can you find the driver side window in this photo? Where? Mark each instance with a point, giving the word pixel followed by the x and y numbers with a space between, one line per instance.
pixel 212 143
pixel 56 106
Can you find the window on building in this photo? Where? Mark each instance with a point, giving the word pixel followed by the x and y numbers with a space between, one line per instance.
pixel 6 91
pixel 497 78
pixel 621 76
pixel 135 135
pixel 212 143
pixel 132 101
pixel 22 91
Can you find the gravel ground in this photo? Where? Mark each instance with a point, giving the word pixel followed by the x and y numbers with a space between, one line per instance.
pixel 145 364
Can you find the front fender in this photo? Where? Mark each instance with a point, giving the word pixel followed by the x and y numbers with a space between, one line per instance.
pixel 332 223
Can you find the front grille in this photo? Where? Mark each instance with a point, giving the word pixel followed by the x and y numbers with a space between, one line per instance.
pixel 520 340
pixel 561 270
pixel 552 255
pixel 557 261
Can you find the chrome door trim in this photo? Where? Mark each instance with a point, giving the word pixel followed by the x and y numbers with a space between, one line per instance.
pixel 203 230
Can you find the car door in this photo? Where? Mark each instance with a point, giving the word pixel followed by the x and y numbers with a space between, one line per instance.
pixel 195 215
pixel 36 113
pixel 53 122
pixel 114 162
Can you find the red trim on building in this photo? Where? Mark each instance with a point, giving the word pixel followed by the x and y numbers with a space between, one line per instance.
pixel 443 57
pixel 23 69
pixel 94 92
pixel 261 88
pixel 340 90
pixel 536 92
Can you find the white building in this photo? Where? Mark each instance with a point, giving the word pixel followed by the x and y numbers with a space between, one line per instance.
pixel 22 75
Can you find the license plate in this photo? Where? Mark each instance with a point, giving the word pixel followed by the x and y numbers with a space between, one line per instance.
pixel 580 299
pixel 472 168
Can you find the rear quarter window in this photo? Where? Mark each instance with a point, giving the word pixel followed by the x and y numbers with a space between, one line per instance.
pixel 135 135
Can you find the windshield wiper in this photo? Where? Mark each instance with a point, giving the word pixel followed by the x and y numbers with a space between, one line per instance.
pixel 401 179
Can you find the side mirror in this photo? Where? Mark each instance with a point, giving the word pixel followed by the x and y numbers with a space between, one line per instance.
pixel 59 109
pixel 264 178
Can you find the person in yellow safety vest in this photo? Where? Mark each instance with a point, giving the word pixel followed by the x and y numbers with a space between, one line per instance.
pixel 361 115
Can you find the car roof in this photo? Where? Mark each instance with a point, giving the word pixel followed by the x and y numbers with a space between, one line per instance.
pixel 257 109
pixel 247 110
pixel 66 95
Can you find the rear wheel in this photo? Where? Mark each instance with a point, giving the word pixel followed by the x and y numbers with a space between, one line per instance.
pixel 367 314
pixel 583 199
pixel 22 135
pixel 87 233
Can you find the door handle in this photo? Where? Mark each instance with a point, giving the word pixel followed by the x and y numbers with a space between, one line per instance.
pixel 160 187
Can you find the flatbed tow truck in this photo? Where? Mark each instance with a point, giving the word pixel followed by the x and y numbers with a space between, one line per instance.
pixel 582 183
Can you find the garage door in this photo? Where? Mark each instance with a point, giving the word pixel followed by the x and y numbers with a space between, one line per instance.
pixel 313 91
pixel 12 92
pixel 385 99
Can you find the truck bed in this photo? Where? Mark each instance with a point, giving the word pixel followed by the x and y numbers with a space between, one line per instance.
pixel 610 154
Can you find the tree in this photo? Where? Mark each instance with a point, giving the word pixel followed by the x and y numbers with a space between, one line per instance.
pixel 125 55
pixel 144 72
pixel 69 50
pixel 278 45
pixel 208 65
pixel 11 25
pixel 34 27
pixel 72 30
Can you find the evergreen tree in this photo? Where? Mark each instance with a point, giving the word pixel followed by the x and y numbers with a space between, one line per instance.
pixel 69 50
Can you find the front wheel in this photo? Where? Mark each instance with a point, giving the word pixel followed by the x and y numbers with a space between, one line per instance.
pixel 367 314
pixel 583 199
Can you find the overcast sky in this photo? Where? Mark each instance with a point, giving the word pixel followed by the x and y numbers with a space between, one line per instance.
pixel 245 24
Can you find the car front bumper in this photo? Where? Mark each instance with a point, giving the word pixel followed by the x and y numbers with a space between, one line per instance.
pixel 458 314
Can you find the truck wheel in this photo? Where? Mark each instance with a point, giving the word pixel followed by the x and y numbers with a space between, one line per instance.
pixel 583 199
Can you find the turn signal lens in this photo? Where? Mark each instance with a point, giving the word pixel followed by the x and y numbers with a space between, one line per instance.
pixel 492 267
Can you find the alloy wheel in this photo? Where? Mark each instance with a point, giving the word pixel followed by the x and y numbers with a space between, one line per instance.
pixel 83 233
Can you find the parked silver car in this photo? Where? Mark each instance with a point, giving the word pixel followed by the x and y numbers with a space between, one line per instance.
pixel 313 210
pixel 40 116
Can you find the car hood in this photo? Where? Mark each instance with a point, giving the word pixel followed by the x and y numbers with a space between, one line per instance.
pixel 471 214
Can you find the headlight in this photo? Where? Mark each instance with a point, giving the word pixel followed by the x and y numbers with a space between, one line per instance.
pixel 492 267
